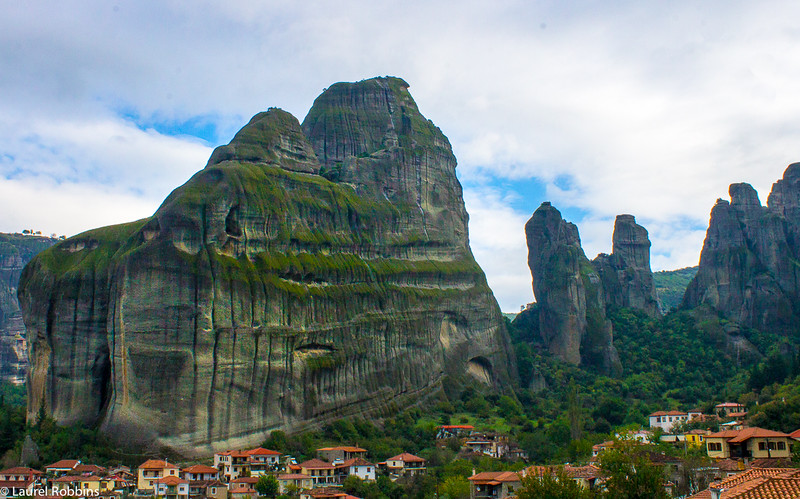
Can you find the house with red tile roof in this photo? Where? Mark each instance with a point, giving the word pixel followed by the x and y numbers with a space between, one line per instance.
pixel 666 420
pixel 405 464
pixel 61 467
pixel 155 469
pixel 171 487
pixel 494 484
pixel 343 452
pixel 755 483
pixel 263 461
pixel 748 443
pixel 207 489
pixel 232 464
pixel 726 409
pixel 454 431
pixel 20 478
pixel 243 487
pixel 199 472
pixel 296 480
pixel 326 493
pixel 321 472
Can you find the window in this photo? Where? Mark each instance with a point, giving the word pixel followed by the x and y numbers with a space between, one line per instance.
pixel 714 446
pixel 781 446
pixel 761 446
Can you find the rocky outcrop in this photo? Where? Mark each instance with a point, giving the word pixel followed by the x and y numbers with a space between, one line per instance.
pixel 308 272
pixel 569 294
pixel 749 269
pixel 15 251
pixel 626 277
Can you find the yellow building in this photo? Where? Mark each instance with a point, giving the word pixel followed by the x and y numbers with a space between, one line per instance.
pixel 696 438
pixel 155 469
pixel 748 442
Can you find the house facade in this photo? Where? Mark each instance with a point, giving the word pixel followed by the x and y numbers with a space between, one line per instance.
pixel 748 443
pixel 152 470
pixel 494 485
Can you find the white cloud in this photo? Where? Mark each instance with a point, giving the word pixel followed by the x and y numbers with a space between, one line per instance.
pixel 645 108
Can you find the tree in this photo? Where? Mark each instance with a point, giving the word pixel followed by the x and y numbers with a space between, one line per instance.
pixel 455 487
pixel 267 486
pixel 553 486
pixel 630 474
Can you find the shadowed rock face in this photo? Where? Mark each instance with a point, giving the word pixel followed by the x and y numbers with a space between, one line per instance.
pixel 569 293
pixel 748 267
pixel 309 272
pixel 15 251
pixel 625 273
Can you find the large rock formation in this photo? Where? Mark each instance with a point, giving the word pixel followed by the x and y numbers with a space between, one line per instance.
pixel 569 294
pixel 15 251
pixel 309 272
pixel 749 269
pixel 625 273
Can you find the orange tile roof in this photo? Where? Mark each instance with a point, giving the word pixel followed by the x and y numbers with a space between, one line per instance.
pixel 293 476
pixel 200 469
pixel 171 480
pixel 260 451
pixel 156 464
pixel 457 427
pixel 64 463
pixel 20 470
pixel 407 458
pixel 344 448
pixel 739 436
pixel 494 477
pixel 245 479
pixel 669 413
pixel 795 434
pixel 315 464
pixel 356 461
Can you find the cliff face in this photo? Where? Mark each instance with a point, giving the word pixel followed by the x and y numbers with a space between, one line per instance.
pixel 748 267
pixel 569 293
pixel 15 251
pixel 626 277
pixel 309 272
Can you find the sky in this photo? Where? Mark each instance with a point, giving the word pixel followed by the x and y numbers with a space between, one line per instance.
pixel 600 107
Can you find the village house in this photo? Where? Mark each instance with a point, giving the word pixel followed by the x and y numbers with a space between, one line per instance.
pixel 762 483
pixel 89 469
pixel 748 443
pixel 200 472
pixel 243 487
pixel 696 438
pixel 404 464
pixel 321 473
pixel 207 489
pixel 493 445
pixel 152 470
pixel 171 487
pixel 727 409
pixel 494 485
pixel 298 481
pixel 263 461
pixel 598 448
pixel 232 464
pixel 585 476
pixel 326 493
pixel 97 485
pixel 343 453
pixel 359 467
pixel 61 467
pixel 454 431
pixel 667 419
pixel 20 479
